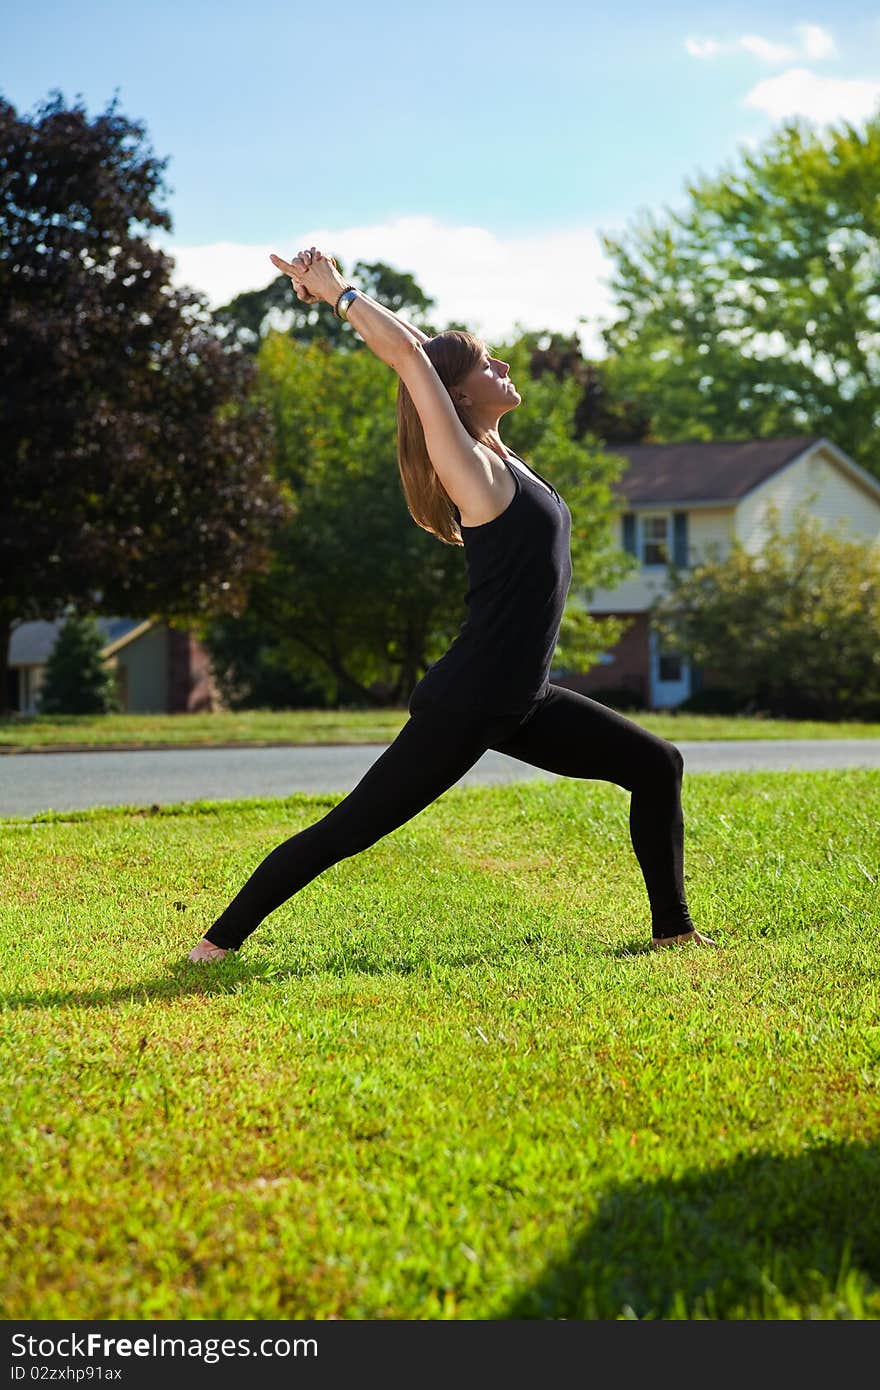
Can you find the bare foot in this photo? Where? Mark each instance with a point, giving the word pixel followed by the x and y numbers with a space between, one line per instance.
pixel 688 938
pixel 206 950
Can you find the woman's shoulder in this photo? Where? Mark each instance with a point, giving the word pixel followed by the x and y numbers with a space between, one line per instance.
pixel 491 493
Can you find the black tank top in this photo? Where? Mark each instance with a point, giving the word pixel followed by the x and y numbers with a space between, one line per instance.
pixel 519 573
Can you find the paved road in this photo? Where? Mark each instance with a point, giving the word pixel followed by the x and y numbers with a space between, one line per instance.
pixel 32 782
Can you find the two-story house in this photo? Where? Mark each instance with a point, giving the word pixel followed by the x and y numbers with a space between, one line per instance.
pixel 676 500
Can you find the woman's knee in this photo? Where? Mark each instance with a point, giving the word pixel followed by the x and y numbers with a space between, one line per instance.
pixel 660 758
pixel 676 758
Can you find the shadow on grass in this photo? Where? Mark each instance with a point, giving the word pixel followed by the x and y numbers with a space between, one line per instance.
pixel 229 975
pixel 751 1239
pixel 185 978
pixel 236 971
pixel 634 947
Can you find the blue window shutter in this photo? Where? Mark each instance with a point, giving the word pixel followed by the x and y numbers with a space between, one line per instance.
pixel 629 532
pixel 680 539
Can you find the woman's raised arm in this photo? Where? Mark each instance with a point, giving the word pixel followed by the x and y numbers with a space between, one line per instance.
pixel 411 329
pixel 383 332
pixel 455 455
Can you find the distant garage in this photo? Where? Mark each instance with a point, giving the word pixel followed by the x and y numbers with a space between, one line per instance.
pixel 159 669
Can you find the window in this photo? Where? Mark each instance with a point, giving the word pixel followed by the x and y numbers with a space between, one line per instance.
pixel 655 540
pixel 669 667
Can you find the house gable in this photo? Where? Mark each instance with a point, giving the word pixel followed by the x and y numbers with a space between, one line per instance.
pixel 834 488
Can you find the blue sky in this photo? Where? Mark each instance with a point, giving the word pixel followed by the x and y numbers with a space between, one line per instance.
pixel 482 147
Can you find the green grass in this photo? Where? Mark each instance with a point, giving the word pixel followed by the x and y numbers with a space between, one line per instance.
pixel 447 1080
pixel 22 732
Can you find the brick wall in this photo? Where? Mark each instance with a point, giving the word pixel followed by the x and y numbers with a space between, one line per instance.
pixel 630 668
pixel 191 685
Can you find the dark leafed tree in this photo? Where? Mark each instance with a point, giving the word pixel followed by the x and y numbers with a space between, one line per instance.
pixel 597 412
pixel 756 310
pixel 135 455
pixel 249 316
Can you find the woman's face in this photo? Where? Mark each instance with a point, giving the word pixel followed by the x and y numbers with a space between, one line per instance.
pixel 487 387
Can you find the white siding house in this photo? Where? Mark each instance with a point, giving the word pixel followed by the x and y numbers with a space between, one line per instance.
pixel 684 501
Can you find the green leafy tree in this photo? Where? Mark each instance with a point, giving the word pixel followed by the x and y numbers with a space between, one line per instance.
pixel 756 310
pixel 253 671
pixel 78 680
pixel 791 629
pixel 360 598
pixel 135 456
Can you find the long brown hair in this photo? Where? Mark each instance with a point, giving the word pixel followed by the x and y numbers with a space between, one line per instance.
pixel 453 354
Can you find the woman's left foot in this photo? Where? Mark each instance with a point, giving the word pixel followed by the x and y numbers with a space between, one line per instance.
pixel 688 938
pixel 206 950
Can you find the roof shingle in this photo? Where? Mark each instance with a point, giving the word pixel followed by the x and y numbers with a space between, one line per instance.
pixel 702 470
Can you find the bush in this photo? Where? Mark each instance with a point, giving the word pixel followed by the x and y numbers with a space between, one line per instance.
pixel 78 681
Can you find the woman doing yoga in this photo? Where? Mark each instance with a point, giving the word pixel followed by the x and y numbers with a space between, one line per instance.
pixel 491 689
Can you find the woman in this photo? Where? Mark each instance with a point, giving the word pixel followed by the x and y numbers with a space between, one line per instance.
pixel 491 688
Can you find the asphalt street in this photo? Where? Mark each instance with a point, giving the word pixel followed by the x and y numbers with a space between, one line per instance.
pixel 32 782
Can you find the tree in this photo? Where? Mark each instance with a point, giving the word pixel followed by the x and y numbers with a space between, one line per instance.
pixel 78 681
pixel 135 454
pixel 756 311
pixel 251 315
pixel 792 628
pixel 597 414
pixel 253 671
pixel 357 596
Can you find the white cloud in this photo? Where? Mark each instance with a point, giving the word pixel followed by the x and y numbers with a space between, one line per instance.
pixel 544 280
pixel 799 92
pixel 815 43
pixel 702 48
pixel 221 269
pixel 766 51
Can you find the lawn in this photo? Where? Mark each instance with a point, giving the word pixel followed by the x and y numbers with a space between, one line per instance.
pixel 23 732
pixel 448 1080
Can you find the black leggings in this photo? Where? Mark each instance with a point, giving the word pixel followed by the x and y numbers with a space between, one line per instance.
pixel 564 732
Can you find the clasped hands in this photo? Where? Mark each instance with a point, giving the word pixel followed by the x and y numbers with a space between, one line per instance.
pixel 315 276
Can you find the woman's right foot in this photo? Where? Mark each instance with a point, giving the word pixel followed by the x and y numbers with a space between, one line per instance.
pixel 688 938
pixel 206 950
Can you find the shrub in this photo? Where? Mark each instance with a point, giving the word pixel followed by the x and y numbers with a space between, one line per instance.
pixel 78 681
